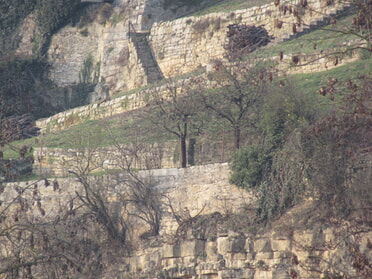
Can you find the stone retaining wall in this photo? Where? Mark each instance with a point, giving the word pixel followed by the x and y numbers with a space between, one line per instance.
pixel 201 189
pixel 272 255
pixel 278 253
pixel 183 45
pixel 179 46
pixel 311 63
pixel 57 161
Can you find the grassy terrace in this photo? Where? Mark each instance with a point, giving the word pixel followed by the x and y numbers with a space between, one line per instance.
pixel 322 39
pixel 317 41
pixel 130 127
pixel 231 5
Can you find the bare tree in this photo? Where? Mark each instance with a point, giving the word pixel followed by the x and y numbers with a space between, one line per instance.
pixel 134 195
pixel 176 108
pixel 38 241
pixel 236 94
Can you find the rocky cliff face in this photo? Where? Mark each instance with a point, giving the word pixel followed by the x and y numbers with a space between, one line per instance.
pixel 273 255
pixel 212 237
pixel 103 32
pixel 107 41
pixel 107 33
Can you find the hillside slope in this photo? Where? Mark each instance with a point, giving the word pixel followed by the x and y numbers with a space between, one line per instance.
pixel 110 200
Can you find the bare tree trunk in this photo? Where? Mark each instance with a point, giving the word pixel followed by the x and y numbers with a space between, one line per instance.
pixel 183 146
pixel 183 151
pixel 237 136
pixel 191 152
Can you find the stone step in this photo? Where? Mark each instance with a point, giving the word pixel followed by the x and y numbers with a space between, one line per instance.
pixel 144 53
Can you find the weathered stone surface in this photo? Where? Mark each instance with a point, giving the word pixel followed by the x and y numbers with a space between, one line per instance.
pixel 171 251
pixel 211 251
pixel 262 245
pixel 281 244
pixel 193 248
pixel 233 255
pixel 264 256
pixel 180 47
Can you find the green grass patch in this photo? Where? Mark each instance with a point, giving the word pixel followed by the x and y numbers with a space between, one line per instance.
pixel 133 127
pixel 123 129
pixel 322 39
pixel 311 82
pixel 231 5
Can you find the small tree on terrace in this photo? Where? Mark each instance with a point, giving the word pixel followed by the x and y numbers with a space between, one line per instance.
pixel 176 109
pixel 236 95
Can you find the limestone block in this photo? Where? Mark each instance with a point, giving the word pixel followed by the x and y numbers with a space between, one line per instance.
pixel 250 256
pixel 301 255
pixel 283 255
pixel 236 260
pixel 211 251
pixel 238 244
pixel 209 275
pixel 230 244
pixel 206 267
pixel 263 274
pixel 282 272
pixel 170 261
pixel 192 248
pixel 264 256
pixel 249 245
pixel 303 238
pixel 262 245
pixel 171 251
pixel 281 244
pixel 236 273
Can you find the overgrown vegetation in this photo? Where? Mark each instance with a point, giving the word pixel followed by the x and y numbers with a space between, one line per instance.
pixel 12 12
pixel 50 16
pixel 244 39
pixel 25 95
pixel 291 145
pixel 86 225
pixel 316 155
pixel 22 83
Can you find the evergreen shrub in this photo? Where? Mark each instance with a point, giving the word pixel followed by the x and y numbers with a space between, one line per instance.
pixel 248 166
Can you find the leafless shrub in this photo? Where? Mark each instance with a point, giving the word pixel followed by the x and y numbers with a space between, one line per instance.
pixel 40 241
pixel 17 127
pixel 243 39
pixel 295 59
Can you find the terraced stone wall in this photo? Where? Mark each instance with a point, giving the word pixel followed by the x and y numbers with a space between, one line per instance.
pixel 57 161
pixel 283 252
pixel 183 45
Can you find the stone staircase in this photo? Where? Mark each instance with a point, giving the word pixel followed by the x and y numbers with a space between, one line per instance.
pixel 316 22
pixel 145 55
